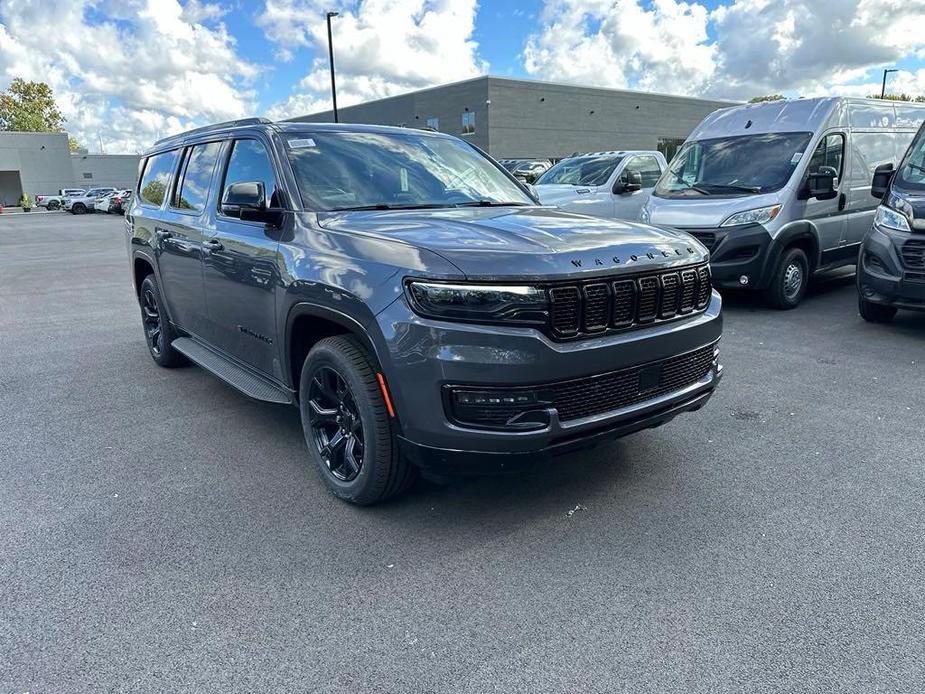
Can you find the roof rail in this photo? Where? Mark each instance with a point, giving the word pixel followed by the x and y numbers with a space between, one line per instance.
pixel 240 122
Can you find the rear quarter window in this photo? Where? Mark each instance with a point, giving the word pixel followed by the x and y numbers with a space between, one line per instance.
pixel 155 181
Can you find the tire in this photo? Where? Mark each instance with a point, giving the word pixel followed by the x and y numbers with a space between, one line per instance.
pixel 347 426
pixel 875 313
pixel 53 205
pixel 789 281
pixel 79 208
pixel 159 333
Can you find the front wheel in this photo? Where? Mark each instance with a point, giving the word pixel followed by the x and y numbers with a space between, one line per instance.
pixel 79 208
pixel 875 313
pixel 789 281
pixel 347 424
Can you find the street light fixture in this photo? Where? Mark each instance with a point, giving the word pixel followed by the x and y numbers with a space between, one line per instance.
pixel 883 88
pixel 331 58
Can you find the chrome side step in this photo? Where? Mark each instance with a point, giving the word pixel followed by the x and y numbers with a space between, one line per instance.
pixel 249 383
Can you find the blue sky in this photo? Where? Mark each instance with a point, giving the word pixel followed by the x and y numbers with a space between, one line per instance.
pixel 128 71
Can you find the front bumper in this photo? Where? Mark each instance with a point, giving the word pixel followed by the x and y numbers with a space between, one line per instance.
pixel 422 356
pixel 882 277
pixel 736 252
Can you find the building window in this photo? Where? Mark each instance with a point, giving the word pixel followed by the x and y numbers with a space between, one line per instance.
pixel 468 123
pixel 87 174
pixel 669 146
pixel 433 123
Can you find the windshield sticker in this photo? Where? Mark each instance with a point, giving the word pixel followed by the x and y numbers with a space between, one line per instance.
pixel 796 157
pixel 301 143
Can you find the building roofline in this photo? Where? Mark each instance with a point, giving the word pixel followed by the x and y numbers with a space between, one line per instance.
pixel 519 80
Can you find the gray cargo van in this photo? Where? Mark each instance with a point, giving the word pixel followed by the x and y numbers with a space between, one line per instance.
pixel 780 190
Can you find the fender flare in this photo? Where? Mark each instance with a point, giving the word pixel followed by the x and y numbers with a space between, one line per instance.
pixel 784 239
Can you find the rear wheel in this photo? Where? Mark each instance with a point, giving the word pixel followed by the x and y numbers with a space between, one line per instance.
pixel 789 281
pixel 78 208
pixel 875 313
pixel 159 333
pixel 347 424
pixel 54 205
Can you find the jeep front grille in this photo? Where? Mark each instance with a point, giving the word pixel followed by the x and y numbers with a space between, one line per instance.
pixel 595 306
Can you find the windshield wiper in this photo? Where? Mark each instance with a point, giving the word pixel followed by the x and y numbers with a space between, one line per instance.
pixel 732 186
pixel 915 166
pixel 490 203
pixel 387 206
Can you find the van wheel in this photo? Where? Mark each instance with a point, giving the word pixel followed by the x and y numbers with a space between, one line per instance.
pixel 875 313
pixel 789 281
pixel 159 333
pixel 347 425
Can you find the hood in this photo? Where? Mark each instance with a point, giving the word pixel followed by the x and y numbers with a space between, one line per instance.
pixel 562 193
pixel 525 242
pixel 704 211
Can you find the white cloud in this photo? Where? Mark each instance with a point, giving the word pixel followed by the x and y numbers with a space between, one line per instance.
pixel 741 49
pixel 151 68
pixel 381 48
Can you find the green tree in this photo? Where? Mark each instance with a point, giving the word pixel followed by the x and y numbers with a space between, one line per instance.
pixel 29 107
pixel 767 97
pixel 899 97
pixel 74 146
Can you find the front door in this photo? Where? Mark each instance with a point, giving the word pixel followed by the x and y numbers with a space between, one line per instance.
pixel 829 216
pixel 627 205
pixel 240 267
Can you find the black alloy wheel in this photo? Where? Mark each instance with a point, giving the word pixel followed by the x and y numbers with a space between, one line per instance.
pixel 151 318
pixel 336 423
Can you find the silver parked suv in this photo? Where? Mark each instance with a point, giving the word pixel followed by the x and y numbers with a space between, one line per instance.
pixel 412 299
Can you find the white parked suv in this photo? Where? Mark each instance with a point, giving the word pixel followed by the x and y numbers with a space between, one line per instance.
pixel 603 184
pixel 85 203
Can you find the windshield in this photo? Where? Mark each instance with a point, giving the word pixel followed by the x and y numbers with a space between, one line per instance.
pixel 911 172
pixel 740 165
pixel 373 170
pixel 583 171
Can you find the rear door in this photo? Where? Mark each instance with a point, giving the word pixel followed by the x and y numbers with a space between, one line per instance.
pixel 240 263
pixel 181 232
pixel 627 205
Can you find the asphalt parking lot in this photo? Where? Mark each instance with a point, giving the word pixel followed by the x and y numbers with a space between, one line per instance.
pixel 161 532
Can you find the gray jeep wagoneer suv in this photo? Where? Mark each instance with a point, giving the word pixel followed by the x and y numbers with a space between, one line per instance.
pixel 410 296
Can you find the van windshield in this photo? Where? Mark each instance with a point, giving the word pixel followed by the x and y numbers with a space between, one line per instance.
pixel 581 171
pixel 730 166
pixel 911 172
pixel 375 170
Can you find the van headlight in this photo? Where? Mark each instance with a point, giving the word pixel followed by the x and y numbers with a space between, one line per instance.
pixel 891 219
pixel 761 215
pixel 484 303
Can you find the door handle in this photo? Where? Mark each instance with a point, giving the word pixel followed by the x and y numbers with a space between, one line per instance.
pixel 213 245
pixel 162 233
pixel 841 201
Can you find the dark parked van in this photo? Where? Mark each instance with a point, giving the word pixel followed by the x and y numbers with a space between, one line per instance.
pixel 412 299
pixel 891 267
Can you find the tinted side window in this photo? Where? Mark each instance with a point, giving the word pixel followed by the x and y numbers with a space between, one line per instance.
pixel 193 188
pixel 250 162
pixel 648 170
pixel 829 152
pixel 156 178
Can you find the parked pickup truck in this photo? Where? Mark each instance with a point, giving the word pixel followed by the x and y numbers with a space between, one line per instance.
pixel 53 202
pixel 81 204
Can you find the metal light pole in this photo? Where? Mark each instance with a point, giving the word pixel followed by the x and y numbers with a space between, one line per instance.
pixel 331 58
pixel 883 88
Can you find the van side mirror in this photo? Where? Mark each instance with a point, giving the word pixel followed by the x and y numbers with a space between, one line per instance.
pixel 629 182
pixel 881 180
pixel 821 184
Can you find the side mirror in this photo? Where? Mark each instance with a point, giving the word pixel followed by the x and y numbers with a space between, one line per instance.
pixel 881 180
pixel 821 184
pixel 238 197
pixel 629 182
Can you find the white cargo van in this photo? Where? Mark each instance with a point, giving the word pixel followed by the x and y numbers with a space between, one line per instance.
pixel 780 190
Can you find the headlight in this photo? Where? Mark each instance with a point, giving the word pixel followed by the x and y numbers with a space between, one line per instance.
pixel 483 303
pixel 891 219
pixel 644 213
pixel 762 215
